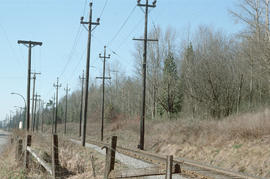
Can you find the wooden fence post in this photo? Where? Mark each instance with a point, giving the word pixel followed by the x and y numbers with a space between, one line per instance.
pixel 177 168
pixel 169 167
pixel 110 157
pixel 19 150
pixel 26 153
pixel 55 157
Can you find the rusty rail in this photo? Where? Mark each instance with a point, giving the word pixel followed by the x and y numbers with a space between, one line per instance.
pixel 188 167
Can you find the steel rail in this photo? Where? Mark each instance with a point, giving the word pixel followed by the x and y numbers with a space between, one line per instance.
pixel 186 165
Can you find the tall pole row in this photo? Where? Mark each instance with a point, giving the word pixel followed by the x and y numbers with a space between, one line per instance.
pixel 33 101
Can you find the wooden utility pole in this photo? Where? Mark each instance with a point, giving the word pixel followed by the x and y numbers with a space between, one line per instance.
pixel 57 86
pixel 53 114
pixel 90 24
pixel 30 45
pixel 42 111
pixel 145 40
pixel 81 109
pixel 67 90
pixel 33 100
pixel 103 89
pixel 38 114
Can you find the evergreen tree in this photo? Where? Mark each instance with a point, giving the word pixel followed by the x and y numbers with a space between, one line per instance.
pixel 171 96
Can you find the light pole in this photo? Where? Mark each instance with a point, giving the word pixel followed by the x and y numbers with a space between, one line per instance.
pixel 24 106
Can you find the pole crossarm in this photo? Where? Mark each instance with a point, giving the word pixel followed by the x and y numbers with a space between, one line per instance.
pixel 150 40
pixel 90 22
pixel 153 5
pixel 30 43
pixel 106 78
pixel 37 73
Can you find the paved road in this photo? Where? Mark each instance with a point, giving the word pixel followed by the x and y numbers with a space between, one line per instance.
pixel 3 139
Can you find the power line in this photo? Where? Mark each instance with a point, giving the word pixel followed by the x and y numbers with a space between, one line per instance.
pixel 72 50
pixel 77 65
pixel 106 2
pixel 11 47
pixel 122 26
pixel 127 37
pixel 84 7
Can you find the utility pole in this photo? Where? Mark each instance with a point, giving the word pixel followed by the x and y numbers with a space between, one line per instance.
pixel 10 120
pixel 53 114
pixel 145 40
pixel 90 23
pixel 35 109
pixel 67 90
pixel 38 114
pixel 81 110
pixel 103 89
pixel 42 111
pixel 57 86
pixel 30 45
pixel 33 100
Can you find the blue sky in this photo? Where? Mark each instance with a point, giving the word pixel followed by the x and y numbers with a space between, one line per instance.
pixel 57 25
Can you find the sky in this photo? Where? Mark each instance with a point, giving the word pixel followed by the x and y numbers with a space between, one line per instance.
pixel 63 53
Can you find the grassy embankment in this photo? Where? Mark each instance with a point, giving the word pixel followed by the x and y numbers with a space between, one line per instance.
pixel 239 143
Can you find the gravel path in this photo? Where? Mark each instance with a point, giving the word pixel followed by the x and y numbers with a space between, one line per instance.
pixel 3 139
pixel 128 161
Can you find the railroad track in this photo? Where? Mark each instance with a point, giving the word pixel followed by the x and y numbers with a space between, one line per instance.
pixel 189 168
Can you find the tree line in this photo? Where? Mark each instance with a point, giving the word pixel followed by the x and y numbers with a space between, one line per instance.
pixel 211 74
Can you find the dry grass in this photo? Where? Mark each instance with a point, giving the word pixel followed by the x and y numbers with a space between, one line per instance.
pixel 75 161
pixel 240 143
pixel 9 168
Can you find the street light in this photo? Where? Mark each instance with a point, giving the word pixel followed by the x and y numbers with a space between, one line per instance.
pixel 20 96
pixel 24 105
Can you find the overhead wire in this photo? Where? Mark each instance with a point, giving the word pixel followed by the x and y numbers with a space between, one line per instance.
pixel 77 65
pixel 11 47
pixel 102 11
pixel 72 51
pixel 128 36
pixel 122 26
pixel 75 42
